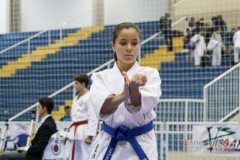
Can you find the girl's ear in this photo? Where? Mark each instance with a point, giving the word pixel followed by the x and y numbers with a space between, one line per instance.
pixel 113 46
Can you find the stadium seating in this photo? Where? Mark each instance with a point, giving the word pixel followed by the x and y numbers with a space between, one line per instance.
pixel 180 79
pixel 56 69
pixel 10 39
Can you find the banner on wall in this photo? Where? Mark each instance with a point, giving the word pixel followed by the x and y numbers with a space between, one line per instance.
pixel 17 128
pixel 12 134
pixel 57 147
pixel 216 140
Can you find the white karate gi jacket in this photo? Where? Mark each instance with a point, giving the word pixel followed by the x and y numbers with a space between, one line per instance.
pixel 215 45
pixel 199 49
pixel 236 41
pixel 83 110
pixel 109 82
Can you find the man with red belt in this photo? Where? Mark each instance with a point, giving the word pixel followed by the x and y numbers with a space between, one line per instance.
pixel 85 122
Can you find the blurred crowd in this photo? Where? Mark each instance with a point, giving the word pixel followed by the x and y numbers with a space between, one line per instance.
pixel 210 41
pixel 206 42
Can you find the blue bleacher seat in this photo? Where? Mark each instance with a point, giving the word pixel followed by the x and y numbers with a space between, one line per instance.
pixel 179 78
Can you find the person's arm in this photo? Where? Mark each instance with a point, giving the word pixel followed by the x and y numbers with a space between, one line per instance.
pixel 234 37
pixel 44 135
pixel 100 94
pixel 92 122
pixel 131 90
pixel 23 148
pixel 89 139
pixel 150 93
pixel 135 95
pixel 110 105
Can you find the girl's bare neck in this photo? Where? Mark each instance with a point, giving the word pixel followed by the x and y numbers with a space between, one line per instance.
pixel 124 67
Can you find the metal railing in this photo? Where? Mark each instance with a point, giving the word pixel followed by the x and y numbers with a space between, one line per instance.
pixel 180 110
pixel 28 41
pixel 178 2
pixel 222 95
pixel 68 22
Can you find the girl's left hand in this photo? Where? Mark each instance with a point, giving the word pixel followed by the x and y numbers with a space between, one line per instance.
pixel 137 81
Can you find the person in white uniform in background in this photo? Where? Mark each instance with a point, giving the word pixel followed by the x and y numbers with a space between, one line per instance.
pixel 124 98
pixel 85 122
pixel 217 49
pixel 200 47
pixel 236 41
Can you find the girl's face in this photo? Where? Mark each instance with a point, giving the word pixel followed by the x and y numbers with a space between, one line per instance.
pixel 219 30
pixel 127 46
pixel 79 86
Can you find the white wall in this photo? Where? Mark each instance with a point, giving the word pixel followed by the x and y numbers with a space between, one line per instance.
pixel 117 11
pixel 4 16
pixel 50 14
pixel 190 7
pixel 229 9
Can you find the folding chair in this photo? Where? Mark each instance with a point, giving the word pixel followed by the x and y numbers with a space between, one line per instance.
pixel 19 141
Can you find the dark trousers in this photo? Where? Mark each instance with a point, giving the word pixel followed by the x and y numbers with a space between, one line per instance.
pixel 168 37
pixel 12 155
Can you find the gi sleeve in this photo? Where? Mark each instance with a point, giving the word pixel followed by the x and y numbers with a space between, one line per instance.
pixel 98 95
pixel 150 92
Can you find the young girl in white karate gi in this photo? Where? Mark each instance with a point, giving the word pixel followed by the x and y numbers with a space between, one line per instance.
pixel 124 98
pixel 200 47
pixel 236 41
pixel 217 49
pixel 85 122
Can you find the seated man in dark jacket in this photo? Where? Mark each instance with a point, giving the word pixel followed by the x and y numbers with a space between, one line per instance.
pixel 40 141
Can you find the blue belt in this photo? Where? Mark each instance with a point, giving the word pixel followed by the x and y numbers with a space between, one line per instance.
pixel 122 134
